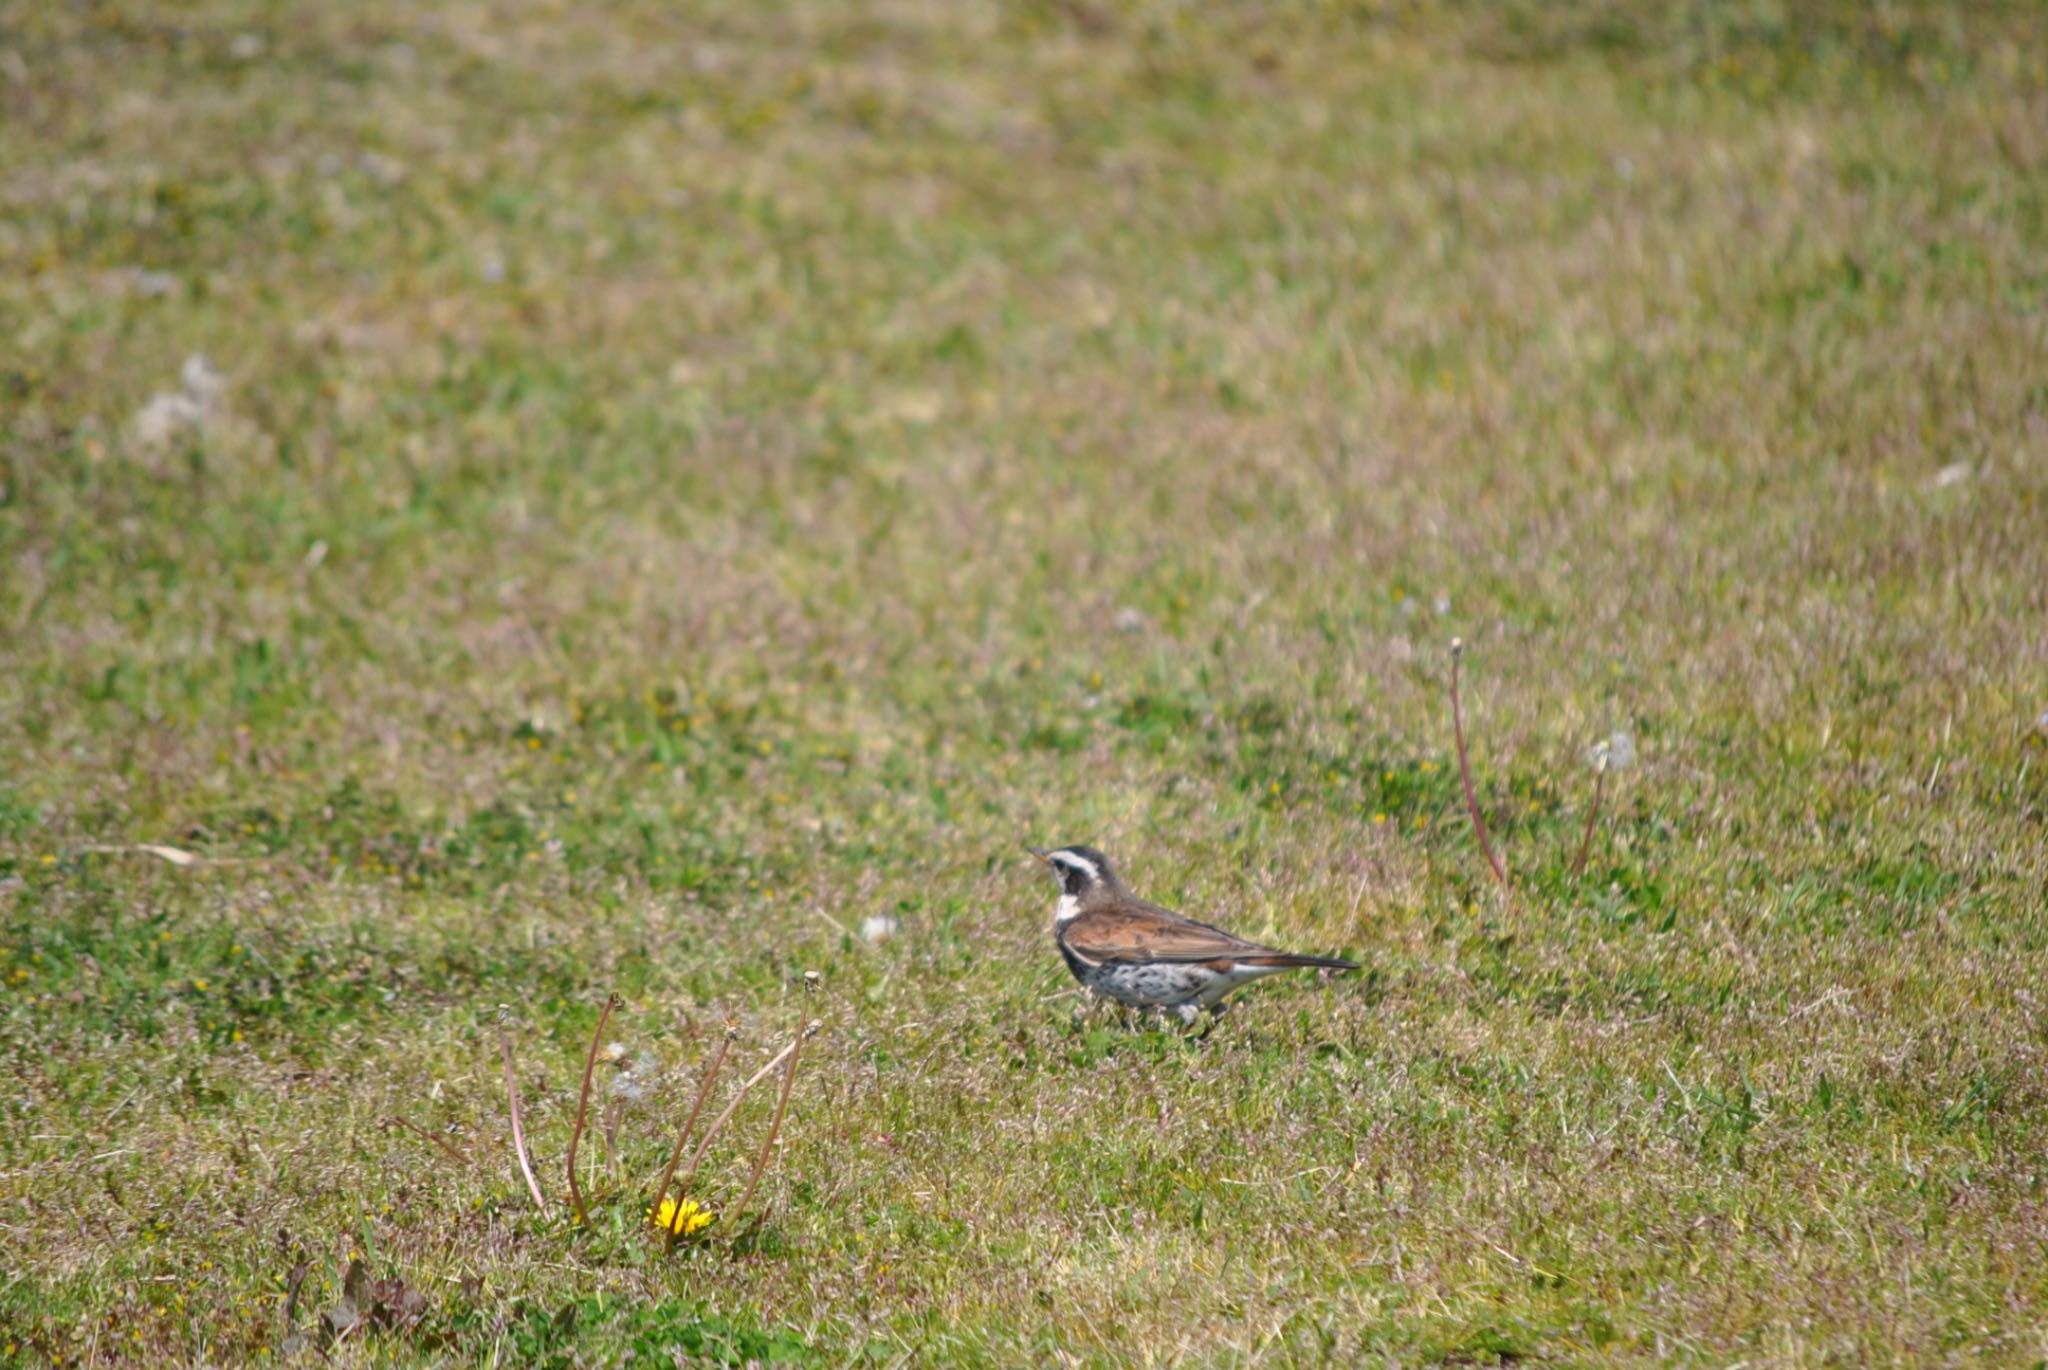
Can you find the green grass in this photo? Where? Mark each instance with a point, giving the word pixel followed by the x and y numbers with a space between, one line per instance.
pixel 686 479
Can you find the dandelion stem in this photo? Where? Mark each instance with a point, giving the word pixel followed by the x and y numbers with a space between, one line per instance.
pixel 796 1048
pixel 442 1142
pixel 703 1092
pixel 609 1134
pixel 1465 767
pixel 1586 838
pixel 611 1002
pixel 518 1130
pixel 718 1123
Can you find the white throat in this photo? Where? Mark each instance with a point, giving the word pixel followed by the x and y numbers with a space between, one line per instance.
pixel 1065 911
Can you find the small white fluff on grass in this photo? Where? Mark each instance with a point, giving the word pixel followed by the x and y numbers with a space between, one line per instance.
pixel 172 413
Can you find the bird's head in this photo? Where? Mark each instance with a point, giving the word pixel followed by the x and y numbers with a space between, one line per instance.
pixel 1079 870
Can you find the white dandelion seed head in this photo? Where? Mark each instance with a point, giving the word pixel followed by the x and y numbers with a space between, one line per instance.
pixel 1621 749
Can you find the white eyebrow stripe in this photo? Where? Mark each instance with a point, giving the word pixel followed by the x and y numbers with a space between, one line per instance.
pixel 1079 863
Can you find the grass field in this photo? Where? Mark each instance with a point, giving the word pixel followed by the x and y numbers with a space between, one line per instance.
pixel 668 483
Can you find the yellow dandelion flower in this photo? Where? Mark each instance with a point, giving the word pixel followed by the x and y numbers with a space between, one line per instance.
pixel 682 1218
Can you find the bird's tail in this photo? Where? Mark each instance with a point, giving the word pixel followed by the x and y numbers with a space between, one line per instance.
pixel 1287 960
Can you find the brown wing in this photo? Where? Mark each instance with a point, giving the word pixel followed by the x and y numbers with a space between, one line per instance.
pixel 1132 930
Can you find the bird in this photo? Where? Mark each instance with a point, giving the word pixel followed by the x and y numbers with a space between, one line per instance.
pixel 1120 947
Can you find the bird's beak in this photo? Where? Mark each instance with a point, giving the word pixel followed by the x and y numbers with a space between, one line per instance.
pixel 1038 852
